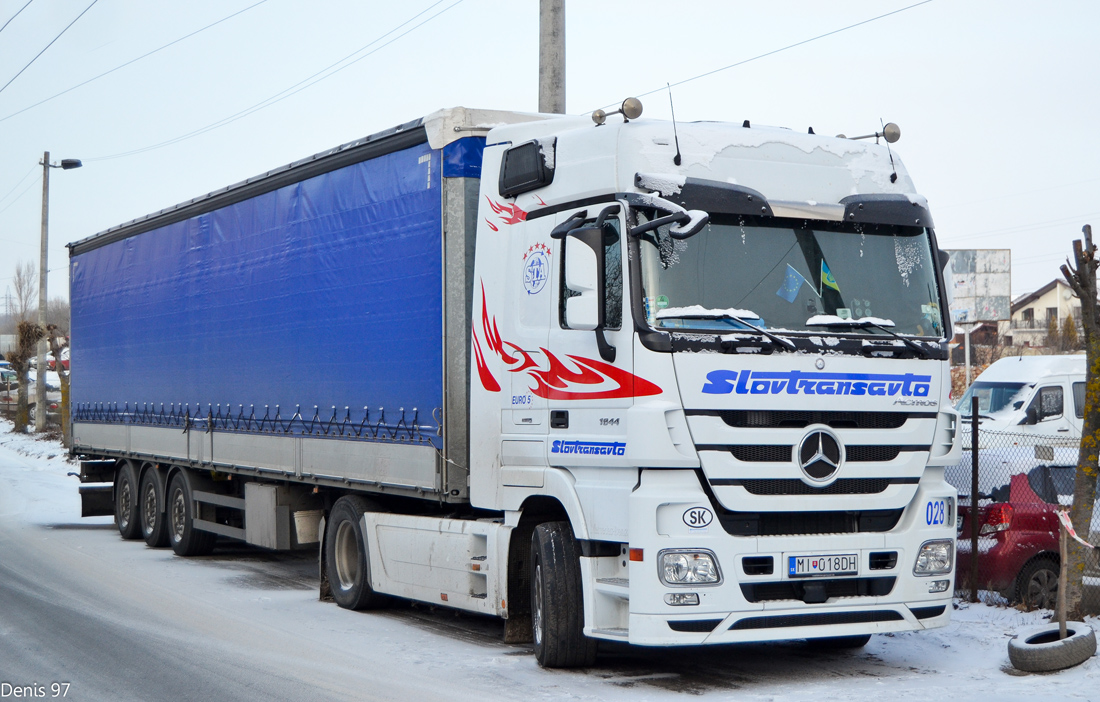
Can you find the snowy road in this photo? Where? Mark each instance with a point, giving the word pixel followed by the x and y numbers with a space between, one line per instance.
pixel 119 621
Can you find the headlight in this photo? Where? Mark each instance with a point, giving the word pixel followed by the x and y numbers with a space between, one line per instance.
pixel 934 558
pixel 684 567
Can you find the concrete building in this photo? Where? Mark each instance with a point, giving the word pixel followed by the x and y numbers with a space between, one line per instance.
pixel 1032 313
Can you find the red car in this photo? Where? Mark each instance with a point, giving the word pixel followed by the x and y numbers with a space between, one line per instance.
pixel 1018 532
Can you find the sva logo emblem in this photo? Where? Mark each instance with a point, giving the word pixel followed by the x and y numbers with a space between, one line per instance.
pixel 698 517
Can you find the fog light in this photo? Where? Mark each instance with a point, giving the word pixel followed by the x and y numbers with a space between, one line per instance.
pixel 938 585
pixel 683 567
pixel 681 599
pixel 934 558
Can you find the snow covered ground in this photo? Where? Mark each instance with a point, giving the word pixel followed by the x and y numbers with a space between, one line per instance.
pixel 120 621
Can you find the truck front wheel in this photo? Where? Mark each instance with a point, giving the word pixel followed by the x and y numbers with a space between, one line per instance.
pixel 184 538
pixel 557 602
pixel 126 501
pixel 346 561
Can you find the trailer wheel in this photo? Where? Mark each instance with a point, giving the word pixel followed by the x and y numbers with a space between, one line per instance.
pixel 346 560
pixel 153 527
pixel 557 603
pixel 126 501
pixel 184 538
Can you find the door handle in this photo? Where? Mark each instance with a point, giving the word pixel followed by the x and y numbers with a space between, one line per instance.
pixel 559 419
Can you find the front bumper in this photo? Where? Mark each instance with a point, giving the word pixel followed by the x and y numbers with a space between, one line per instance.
pixel 765 606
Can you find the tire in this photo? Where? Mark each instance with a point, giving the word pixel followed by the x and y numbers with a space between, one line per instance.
pixel 346 562
pixel 183 537
pixel 1037 584
pixel 151 508
pixel 839 643
pixel 1038 649
pixel 127 516
pixel 557 602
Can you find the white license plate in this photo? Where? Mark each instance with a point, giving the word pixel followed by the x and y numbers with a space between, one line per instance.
pixel 831 564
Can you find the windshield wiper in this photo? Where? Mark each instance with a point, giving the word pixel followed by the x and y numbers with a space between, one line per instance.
pixel 863 324
pixel 785 343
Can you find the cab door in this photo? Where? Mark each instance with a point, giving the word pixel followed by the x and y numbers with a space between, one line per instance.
pixel 588 388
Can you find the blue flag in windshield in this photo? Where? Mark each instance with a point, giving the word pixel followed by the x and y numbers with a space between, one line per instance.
pixel 791 285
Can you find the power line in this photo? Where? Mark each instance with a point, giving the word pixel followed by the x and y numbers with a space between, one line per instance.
pixel 297 87
pixel 27 175
pixel 146 55
pixel 15 15
pixel 20 195
pixel 48 46
pixel 1020 228
pixel 776 51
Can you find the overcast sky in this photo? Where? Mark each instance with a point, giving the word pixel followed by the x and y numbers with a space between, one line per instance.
pixel 997 101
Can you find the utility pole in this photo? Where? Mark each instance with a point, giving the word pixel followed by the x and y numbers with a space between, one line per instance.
pixel 43 273
pixel 552 56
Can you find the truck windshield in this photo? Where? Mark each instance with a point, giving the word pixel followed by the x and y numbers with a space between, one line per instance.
pixel 792 275
pixel 992 397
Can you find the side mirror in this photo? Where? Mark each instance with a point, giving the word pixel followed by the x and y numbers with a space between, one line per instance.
pixel 1032 416
pixel 584 273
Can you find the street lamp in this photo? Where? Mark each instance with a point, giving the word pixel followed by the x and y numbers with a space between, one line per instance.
pixel 43 270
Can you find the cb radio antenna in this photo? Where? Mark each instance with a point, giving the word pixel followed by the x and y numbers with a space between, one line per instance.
pixel 676 137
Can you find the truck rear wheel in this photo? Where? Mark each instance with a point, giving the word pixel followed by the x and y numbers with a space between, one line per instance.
pixel 126 501
pixel 151 504
pixel 184 538
pixel 557 603
pixel 346 562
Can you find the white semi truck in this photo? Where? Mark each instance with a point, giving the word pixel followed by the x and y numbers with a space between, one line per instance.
pixel 608 379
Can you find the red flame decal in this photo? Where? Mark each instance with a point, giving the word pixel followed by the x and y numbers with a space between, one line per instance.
pixel 509 214
pixel 491 225
pixel 604 380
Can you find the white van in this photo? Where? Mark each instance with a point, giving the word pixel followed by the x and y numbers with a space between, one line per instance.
pixel 1042 395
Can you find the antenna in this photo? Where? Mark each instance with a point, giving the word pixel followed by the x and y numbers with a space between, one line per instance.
pixel 676 159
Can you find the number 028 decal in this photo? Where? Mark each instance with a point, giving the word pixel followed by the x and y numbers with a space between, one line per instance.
pixel 935 513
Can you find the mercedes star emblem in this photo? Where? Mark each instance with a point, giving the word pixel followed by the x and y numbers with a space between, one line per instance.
pixel 819 455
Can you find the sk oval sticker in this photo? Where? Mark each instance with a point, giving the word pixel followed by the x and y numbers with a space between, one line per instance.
pixel 698 517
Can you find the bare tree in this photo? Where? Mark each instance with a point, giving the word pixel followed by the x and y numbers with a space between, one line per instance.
pixel 25 289
pixel 57 343
pixel 57 315
pixel 1081 276
pixel 26 345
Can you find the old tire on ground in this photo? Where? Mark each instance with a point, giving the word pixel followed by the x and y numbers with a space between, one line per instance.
pixel 151 508
pixel 346 560
pixel 184 538
pixel 1038 649
pixel 557 603
pixel 837 643
pixel 1037 584
pixel 126 501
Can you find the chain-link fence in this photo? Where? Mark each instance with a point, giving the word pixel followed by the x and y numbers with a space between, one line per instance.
pixel 1023 480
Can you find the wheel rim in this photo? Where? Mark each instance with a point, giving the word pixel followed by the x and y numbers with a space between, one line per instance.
pixel 347 555
pixel 124 500
pixel 536 606
pixel 1042 589
pixel 179 514
pixel 149 508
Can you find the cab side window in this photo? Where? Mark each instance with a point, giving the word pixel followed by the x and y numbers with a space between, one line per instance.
pixel 613 278
pixel 1047 403
pixel 1079 400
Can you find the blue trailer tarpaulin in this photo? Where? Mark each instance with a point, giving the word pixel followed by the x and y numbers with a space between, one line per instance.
pixel 325 293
